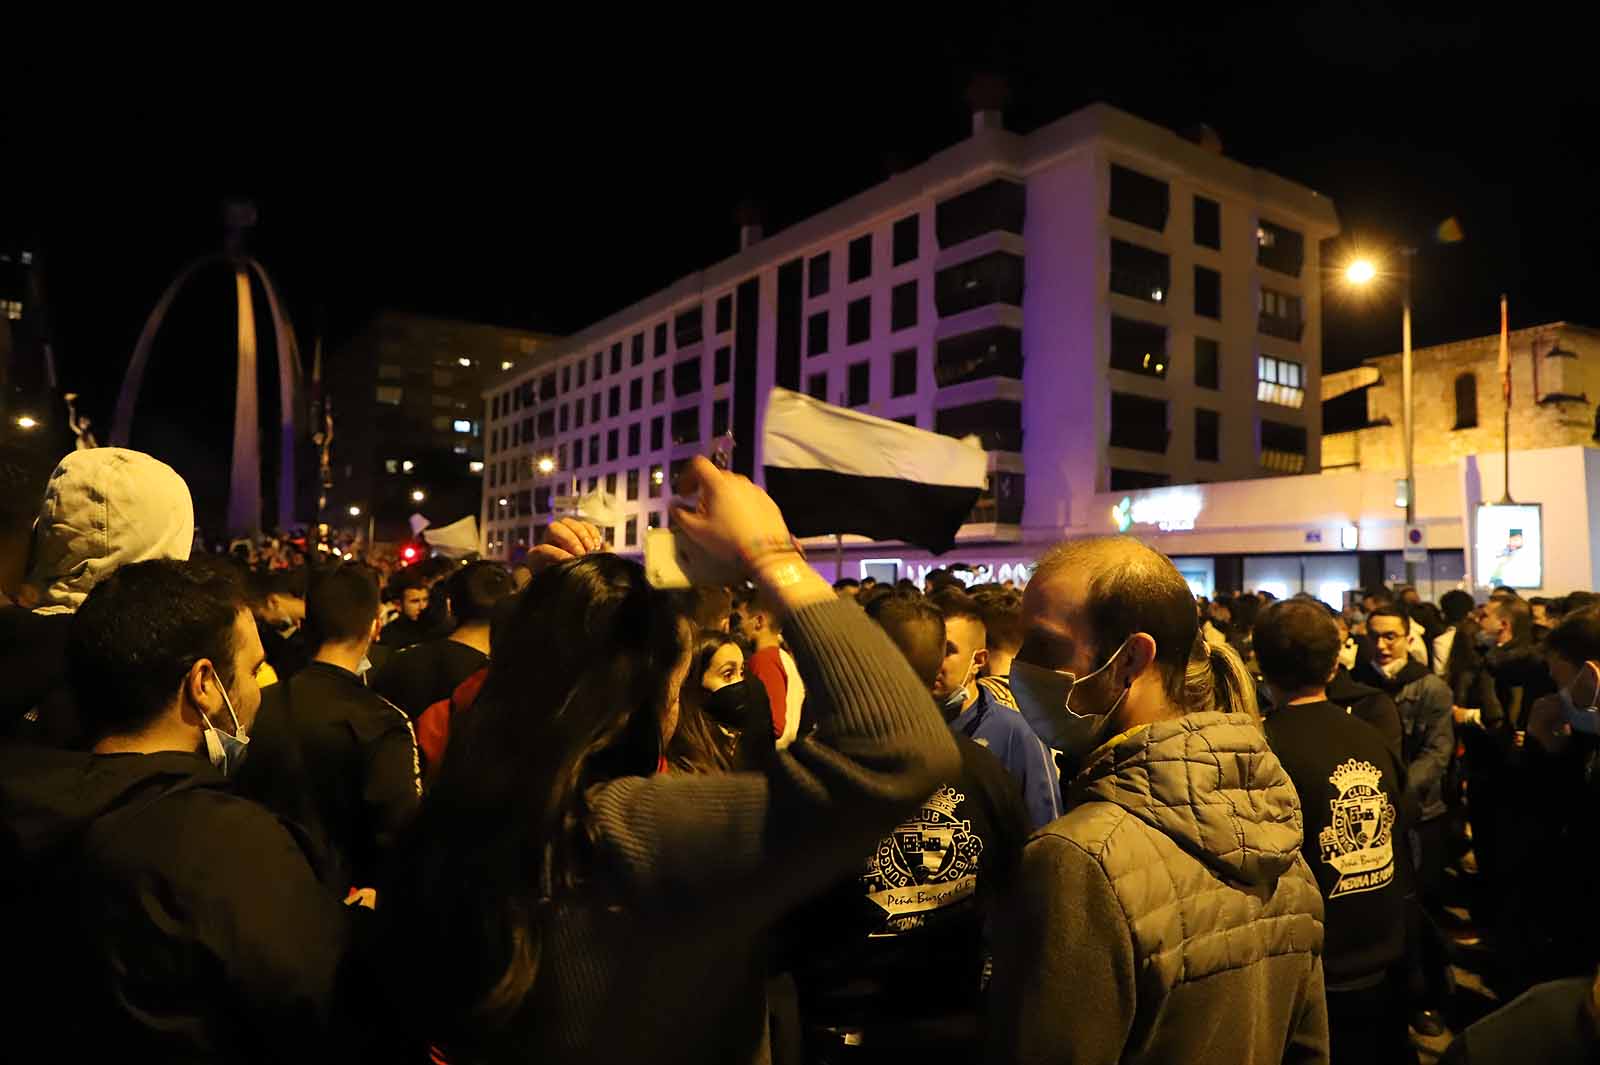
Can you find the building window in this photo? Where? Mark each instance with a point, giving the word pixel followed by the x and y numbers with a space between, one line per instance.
pixel 817 386
pixel 594 448
pixel 719 418
pixel 390 394
pixel 1207 435
pixel 688 328
pixel 583 372
pixel 1207 223
pixel 614 401
pixel 997 423
pixel 594 482
pixel 1000 205
pixel 724 313
pixel 541 499
pixel 1139 272
pixel 630 528
pixel 1138 422
pixel 658 386
pixel 1280 381
pixel 577 454
pixel 561 456
pixel 860 257
pixel 636 393
pixel 908 419
pixel 634 431
pixel 686 426
pixel 391 372
pixel 611 484
pixel 441 422
pixel 566 379
pixel 817 275
pixel 1279 248
pixel 1138 198
pixel 653 520
pixel 907 237
pixel 636 349
pixel 661 339
pixel 1466 401
pixel 1138 347
pixel 577 414
pixel 1134 480
pixel 993 352
pixel 633 485
pixel 1207 292
pixel 494 408
pixel 903 307
pixel 391 465
pixel 1207 363
pixel 860 384
pixel 657 478
pixel 547 423
pixel 903 376
pixel 993 278
pixel 722 366
pixel 1280 315
pixel 1002 500
pixel 657 433
pixel 611 445
pixel 547 386
pixel 817 334
pixel 599 364
pixel 858 321
pixel 1283 447
pixel 616 357
pixel 443 378
pixel 686 377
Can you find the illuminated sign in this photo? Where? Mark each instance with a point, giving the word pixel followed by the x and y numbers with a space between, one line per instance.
pixel 1169 511
pixel 1510 547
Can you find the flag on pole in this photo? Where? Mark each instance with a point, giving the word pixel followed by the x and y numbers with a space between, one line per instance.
pixel 1505 353
pixel 832 470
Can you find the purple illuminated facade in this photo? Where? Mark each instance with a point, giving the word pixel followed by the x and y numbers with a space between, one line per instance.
pixel 1099 301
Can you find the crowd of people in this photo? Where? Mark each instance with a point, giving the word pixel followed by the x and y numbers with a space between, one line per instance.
pixel 279 805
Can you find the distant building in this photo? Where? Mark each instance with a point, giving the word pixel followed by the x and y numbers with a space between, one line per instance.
pixel 408 417
pixel 1555 386
pixel 1104 304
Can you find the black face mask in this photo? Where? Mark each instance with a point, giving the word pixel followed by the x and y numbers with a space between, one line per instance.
pixel 729 705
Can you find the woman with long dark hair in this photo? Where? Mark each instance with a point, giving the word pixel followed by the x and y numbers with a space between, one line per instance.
pixel 558 898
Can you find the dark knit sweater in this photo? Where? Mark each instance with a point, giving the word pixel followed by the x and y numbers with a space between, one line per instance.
pixel 664 961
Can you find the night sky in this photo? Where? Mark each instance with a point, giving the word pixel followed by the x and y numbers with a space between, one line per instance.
pixel 546 175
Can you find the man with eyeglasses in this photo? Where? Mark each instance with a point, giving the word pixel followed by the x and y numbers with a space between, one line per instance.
pixel 1427 740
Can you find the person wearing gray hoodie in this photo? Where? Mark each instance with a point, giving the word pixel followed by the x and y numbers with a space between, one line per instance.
pixel 1168 915
pixel 103 508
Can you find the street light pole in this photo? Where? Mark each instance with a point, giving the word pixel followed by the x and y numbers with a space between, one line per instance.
pixel 1410 419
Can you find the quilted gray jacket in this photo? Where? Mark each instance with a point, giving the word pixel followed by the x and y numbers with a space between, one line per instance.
pixel 1168 916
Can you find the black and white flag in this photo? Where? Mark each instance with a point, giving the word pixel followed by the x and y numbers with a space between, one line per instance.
pixel 832 470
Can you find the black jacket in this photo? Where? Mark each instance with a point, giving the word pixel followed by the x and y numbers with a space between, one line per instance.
pixel 1370 705
pixel 153 916
pixel 899 948
pixel 338 758
pixel 1350 797
pixel 1520 678
pixel 424 673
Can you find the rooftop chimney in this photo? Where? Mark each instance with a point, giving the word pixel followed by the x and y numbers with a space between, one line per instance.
pixel 748 215
pixel 987 95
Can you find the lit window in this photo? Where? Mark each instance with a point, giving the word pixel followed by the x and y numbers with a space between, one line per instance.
pixel 390 394
pixel 408 465
pixel 392 465
pixel 505 364
pixel 462 425
pixel 475 466
pixel 1280 381
pixel 463 361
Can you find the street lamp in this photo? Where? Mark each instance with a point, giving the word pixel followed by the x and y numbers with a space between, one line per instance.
pixel 355 511
pixel 546 465
pixel 27 421
pixel 418 496
pixel 1359 273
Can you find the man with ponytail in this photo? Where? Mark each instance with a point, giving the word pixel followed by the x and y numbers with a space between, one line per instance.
pixel 1168 915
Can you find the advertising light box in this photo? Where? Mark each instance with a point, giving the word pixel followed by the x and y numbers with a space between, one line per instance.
pixel 1510 547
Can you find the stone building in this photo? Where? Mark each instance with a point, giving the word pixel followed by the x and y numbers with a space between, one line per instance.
pixel 1555 386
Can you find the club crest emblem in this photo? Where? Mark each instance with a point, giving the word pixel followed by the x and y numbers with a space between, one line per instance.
pixel 1359 839
pixel 929 861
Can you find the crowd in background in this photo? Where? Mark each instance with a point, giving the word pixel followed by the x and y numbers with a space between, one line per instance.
pixel 278 803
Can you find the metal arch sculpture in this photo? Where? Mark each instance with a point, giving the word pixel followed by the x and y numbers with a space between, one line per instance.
pixel 244 484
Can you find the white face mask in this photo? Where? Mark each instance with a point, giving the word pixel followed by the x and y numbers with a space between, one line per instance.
pixel 1045 698
pixel 225 751
pixel 958 695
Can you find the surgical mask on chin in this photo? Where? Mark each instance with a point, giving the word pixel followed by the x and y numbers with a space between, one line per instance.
pixel 1045 698
pixel 225 751
pixel 957 699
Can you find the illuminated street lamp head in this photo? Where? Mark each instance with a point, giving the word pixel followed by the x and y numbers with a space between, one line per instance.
pixel 1360 272
pixel 27 421
pixel 355 511
pixel 418 496
pixel 547 464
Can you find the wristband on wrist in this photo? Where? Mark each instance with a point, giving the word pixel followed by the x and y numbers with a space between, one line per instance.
pixel 785 573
